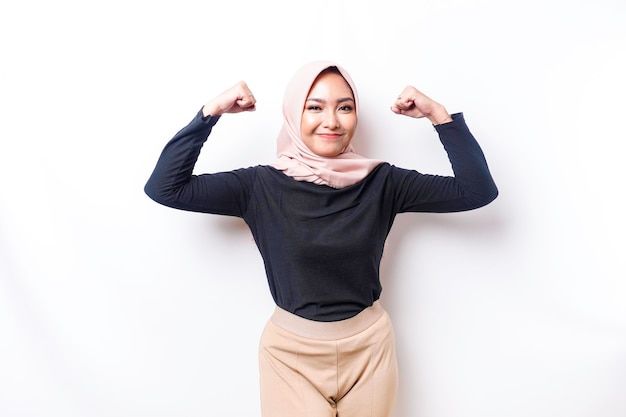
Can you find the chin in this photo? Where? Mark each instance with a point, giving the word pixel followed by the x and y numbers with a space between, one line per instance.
pixel 329 153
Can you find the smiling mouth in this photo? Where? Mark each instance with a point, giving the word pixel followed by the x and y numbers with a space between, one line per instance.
pixel 330 136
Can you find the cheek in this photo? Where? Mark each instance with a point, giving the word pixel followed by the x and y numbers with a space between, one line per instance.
pixel 349 124
pixel 307 124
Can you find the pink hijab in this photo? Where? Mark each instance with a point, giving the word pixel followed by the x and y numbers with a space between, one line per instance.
pixel 295 158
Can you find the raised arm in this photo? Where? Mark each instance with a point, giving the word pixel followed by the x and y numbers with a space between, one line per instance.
pixel 472 185
pixel 172 182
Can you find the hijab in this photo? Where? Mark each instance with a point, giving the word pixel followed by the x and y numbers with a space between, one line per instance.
pixel 295 159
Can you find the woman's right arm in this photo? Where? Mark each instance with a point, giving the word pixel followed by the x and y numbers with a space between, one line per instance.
pixel 172 182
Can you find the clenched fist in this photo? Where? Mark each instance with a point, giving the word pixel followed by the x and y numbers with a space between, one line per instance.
pixel 236 99
pixel 413 103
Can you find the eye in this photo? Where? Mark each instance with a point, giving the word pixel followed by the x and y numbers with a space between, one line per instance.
pixel 313 107
pixel 346 108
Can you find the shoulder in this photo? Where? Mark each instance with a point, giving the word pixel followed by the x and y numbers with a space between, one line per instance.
pixel 389 172
pixel 265 174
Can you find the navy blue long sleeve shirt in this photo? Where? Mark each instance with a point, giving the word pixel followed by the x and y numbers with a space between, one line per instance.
pixel 321 246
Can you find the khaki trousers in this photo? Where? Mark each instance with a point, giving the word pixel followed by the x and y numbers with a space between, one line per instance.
pixel 317 369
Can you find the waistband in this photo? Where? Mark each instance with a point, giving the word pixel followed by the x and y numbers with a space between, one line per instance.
pixel 332 330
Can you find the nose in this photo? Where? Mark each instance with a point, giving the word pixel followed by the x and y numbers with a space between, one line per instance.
pixel 330 120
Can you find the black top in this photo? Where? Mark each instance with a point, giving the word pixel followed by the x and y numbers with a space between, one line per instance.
pixel 321 246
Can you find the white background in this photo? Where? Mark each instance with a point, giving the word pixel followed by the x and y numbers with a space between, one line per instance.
pixel 112 305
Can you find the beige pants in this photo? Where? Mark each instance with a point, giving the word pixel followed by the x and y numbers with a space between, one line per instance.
pixel 315 369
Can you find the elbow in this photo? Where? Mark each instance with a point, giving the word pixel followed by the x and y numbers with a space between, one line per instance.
pixel 493 195
pixel 155 193
pixel 149 190
pixel 481 198
pixel 489 195
pixel 164 195
pixel 493 192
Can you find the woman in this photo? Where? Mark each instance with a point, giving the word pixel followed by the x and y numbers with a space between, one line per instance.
pixel 320 215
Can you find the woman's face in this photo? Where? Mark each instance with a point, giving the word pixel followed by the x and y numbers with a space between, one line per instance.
pixel 329 116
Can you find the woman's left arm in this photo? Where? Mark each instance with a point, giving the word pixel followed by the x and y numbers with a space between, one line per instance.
pixel 472 185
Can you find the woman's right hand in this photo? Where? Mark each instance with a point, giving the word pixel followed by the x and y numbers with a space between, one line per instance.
pixel 236 99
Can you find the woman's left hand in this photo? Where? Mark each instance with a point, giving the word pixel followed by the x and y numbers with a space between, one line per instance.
pixel 413 103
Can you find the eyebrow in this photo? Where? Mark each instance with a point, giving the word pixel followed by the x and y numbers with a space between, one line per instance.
pixel 341 100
